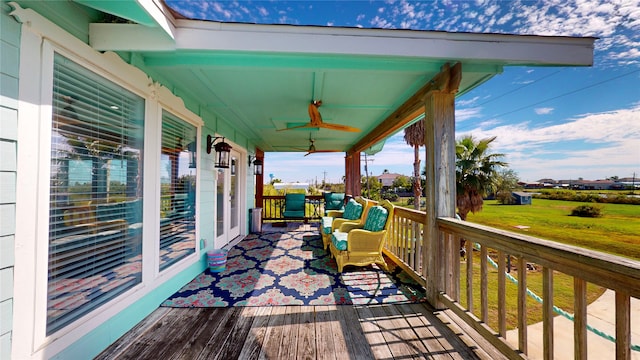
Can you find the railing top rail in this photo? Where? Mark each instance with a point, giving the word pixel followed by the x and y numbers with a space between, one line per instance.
pixel 611 271
pixel 411 214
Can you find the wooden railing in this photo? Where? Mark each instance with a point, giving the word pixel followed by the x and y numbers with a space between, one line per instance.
pixel 585 266
pixel 407 246
pixel 273 206
pixel 405 242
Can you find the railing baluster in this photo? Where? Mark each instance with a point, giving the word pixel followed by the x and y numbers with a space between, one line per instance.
pixel 522 305
pixel 547 312
pixel 580 318
pixel 502 296
pixel 469 249
pixel 623 326
pixel 484 283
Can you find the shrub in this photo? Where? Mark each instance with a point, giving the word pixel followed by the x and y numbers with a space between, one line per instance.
pixel 390 196
pixel 587 211
pixel 505 198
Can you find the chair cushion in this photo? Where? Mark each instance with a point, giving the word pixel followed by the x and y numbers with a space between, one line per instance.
pixel 327 221
pixel 294 205
pixel 334 201
pixel 376 218
pixel 339 240
pixel 353 210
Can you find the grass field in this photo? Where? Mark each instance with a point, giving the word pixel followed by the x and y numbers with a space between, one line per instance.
pixel 616 232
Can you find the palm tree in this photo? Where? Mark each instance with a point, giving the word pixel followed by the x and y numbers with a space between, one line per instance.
pixel 414 136
pixel 476 171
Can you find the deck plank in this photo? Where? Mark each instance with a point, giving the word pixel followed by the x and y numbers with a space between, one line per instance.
pixel 302 332
pixel 425 331
pixel 373 333
pixel 122 345
pixel 388 328
pixel 255 338
pixel 273 335
pixel 306 333
pixel 203 328
pixel 357 345
pixel 290 328
pixel 403 332
pixel 237 336
pixel 169 327
pixel 218 340
pixel 326 328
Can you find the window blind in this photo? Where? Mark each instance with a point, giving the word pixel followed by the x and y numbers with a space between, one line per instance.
pixel 95 214
pixel 178 189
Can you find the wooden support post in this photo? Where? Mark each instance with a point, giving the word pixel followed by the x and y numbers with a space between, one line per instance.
pixel 259 180
pixel 441 173
pixel 352 174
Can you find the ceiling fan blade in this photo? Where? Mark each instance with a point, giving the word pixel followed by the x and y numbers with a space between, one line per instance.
pixel 339 127
pixel 321 151
pixel 307 125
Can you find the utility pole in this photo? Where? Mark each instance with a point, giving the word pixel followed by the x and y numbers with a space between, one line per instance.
pixel 324 180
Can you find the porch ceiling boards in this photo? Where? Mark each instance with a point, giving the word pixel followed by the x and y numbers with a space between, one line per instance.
pixel 298 332
pixel 256 79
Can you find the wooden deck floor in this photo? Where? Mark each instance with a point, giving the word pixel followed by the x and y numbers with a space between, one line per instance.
pixel 405 331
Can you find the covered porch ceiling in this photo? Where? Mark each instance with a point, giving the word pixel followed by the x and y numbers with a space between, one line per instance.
pixel 260 79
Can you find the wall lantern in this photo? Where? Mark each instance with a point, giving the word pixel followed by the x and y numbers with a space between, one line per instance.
pixel 257 165
pixel 222 151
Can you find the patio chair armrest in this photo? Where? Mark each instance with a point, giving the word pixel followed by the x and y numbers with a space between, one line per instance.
pixel 335 213
pixel 337 223
pixel 348 226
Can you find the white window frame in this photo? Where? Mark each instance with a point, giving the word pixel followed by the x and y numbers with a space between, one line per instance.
pixel 40 38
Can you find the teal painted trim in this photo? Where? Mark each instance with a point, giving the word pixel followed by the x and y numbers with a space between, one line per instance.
pixel 291 61
pixel 90 345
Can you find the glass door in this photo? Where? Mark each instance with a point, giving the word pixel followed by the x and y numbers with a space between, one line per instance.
pixel 228 201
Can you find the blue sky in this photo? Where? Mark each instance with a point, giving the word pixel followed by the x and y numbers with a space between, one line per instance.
pixel 561 123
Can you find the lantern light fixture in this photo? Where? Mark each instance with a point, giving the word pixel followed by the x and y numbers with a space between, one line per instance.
pixel 222 151
pixel 257 165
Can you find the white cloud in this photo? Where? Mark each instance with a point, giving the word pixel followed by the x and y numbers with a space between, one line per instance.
pixel 468 102
pixel 602 144
pixel 543 111
pixel 466 114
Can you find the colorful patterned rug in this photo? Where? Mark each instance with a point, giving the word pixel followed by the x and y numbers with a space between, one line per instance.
pixel 275 269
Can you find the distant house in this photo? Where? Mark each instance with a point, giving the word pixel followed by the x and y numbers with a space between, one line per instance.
pixel 596 184
pixel 522 198
pixel 387 179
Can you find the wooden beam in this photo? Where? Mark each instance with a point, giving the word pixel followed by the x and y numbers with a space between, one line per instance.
pixel 446 81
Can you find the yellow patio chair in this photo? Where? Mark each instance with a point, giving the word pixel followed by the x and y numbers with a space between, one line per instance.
pixel 354 212
pixel 362 245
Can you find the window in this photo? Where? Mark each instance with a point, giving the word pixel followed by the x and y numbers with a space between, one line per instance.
pixel 177 190
pixel 95 219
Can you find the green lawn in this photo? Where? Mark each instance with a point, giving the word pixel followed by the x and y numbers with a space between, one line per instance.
pixel 562 294
pixel 616 232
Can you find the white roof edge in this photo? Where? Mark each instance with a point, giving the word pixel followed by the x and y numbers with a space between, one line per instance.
pixel 160 14
pixel 506 49
pixel 378 32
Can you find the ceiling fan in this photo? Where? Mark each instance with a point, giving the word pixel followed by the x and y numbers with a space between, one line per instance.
pixel 312 148
pixel 316 120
